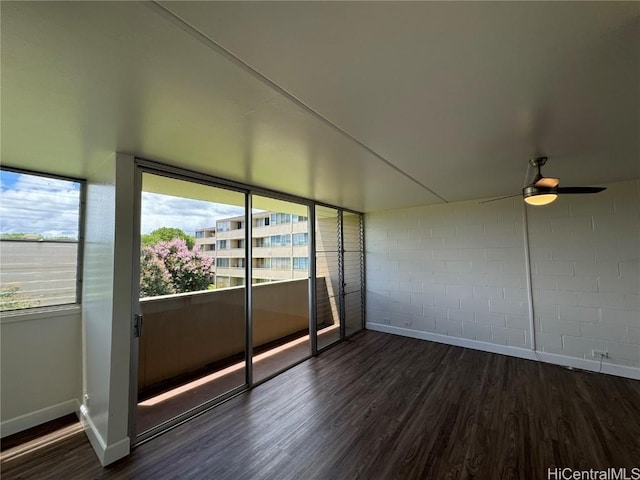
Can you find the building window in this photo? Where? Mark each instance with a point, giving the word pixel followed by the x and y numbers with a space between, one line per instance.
pixel 301 263
pixel 280 218
pixel 300 239
pixel 280 240
pixel 237 262
pixel 239 225
pixel 199 233
pixel 223 226
pixel 262 242
pixel 261 263
pixel 280 263
pixel 222 262
pixel 299 218
pixel 40 241
pixel 223 244
pixel 262 222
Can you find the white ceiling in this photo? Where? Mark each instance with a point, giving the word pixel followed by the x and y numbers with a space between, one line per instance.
pixel 364 105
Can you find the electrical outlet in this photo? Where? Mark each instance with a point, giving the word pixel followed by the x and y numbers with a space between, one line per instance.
pixel 599 354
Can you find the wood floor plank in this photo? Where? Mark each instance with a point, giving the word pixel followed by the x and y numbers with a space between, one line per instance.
pixel 379 407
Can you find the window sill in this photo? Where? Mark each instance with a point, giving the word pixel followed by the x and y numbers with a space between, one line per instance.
pixel 39 313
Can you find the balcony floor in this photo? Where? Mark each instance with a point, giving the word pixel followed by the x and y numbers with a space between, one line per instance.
pixel 181 396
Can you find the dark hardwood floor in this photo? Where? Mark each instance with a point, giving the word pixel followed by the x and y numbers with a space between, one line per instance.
pixel 383 407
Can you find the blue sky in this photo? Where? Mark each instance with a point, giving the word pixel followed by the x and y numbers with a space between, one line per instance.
pixel 32 204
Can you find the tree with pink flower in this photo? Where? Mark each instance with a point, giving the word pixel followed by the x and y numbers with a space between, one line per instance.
pixel 171 267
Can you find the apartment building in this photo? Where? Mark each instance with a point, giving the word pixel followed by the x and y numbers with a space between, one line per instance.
pixel 279 248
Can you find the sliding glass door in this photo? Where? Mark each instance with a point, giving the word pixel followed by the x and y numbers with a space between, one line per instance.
pixel 230 284
pixel 280 285
pixel 191 348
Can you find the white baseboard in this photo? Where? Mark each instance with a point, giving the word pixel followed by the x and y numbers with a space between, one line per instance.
pixel 33 419
pixel 107 454
pixel 565 361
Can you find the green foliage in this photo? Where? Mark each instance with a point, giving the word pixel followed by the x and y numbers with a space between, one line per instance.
pixel 21 236
pixel 11 299
pixel 35 237
pixel 166 234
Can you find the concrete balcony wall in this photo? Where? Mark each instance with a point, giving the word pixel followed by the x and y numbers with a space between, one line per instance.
pixel 184 332
pixel 231 234
pixel 231 253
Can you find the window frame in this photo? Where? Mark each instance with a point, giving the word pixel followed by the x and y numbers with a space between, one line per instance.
pixel 82 200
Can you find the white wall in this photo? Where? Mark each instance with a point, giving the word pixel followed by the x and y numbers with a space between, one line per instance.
pixel 106 306
pixel 41 367
pixel 584 256
pixel 456 273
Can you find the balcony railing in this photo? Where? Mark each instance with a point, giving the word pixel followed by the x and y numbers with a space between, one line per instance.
pixel 185 332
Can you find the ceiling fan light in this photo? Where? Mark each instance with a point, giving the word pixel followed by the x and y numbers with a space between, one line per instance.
pixel 538 197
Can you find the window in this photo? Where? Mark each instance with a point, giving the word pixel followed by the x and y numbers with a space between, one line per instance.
pixel 262 242
pixel 40 240
pixel 280 240
pixel 300 263
pixel 300 239
pixel 280 263
pixel 199 233
pixel 262 222
pixel 223 226
pixel 280 218
pixel 223 244
pixel 237 225
pixel 237 262
pixel 222 262
pixel 209 247
pixel 261 263
pixel 299 218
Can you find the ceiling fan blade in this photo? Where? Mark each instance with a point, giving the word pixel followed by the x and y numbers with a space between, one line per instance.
pixel 501 198
pixel 547 182
pixel 581 189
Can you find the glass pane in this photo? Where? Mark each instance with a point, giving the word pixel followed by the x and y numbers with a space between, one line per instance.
pixel 351 227
pixel 353 269
pixel 192 297
pixel 353 312
pixel 280 265
pixel 39 219
pixel 327 276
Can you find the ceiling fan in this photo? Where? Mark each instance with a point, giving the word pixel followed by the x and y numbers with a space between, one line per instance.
pixel 545 190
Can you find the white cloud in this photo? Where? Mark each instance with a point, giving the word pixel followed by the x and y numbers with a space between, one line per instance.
pixel 31 204
pixel 186 214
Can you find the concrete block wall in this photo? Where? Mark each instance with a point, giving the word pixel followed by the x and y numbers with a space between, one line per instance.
pixel 586 279
pixel 457 273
